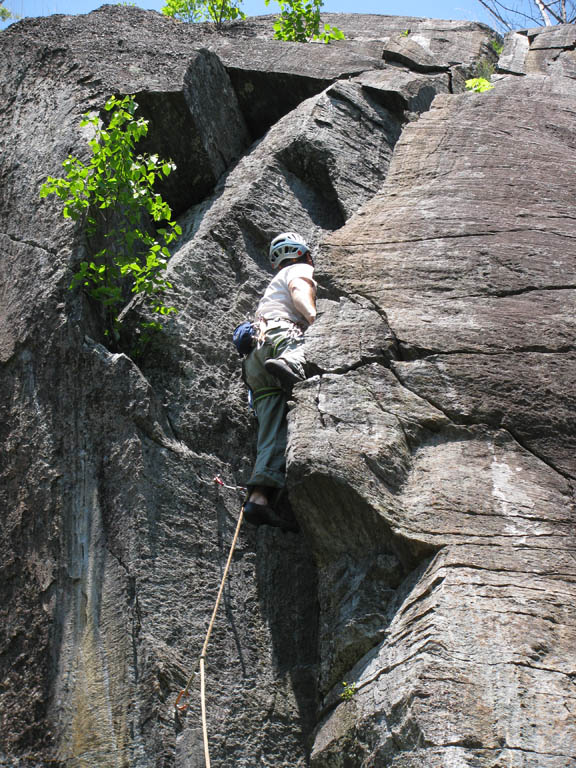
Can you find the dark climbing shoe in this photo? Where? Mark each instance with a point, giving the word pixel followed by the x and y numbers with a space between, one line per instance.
pixel 285 374
pixel 262 514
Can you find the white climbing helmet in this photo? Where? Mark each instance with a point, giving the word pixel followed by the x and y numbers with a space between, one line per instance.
pixel 288 245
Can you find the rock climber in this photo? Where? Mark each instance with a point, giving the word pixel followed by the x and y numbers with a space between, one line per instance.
pixel 275 364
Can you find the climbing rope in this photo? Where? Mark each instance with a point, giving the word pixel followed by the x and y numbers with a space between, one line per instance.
pixel 185 692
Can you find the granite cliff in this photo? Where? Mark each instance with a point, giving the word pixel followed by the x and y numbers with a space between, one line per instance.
pixel 431 453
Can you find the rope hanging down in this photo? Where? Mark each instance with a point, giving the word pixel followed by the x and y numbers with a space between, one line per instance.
pixel 185 692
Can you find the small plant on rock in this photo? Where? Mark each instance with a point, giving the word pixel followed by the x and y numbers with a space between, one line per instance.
pixel 349 691
pixel 484 69
pixel 215 11
pixel 299 22
pixel 112 197
pixel 478 84
pixel 497 47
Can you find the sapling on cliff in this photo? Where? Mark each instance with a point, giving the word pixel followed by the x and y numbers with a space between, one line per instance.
pixel 478 84
pixel 112 197
pixel 215 11
pixel 299 22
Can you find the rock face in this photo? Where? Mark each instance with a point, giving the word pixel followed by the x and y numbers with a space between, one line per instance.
pixel 431 454
pixel 540 51
pixel 460 456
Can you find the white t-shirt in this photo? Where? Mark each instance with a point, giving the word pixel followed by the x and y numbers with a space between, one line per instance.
pixel 277 300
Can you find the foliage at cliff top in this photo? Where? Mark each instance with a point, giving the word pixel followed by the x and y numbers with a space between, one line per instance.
pixel 298 21
pixel 5 14
pixel 215 11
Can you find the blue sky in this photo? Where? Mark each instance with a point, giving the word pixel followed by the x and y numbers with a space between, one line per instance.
pixel 469 10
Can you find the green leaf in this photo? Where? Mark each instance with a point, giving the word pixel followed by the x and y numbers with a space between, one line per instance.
pixel 479 85
pixel 113 194
pixel 216 11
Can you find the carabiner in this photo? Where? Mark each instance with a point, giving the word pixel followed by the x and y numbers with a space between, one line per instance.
pixel 182 707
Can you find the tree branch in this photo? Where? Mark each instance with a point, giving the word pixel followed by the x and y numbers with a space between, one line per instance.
pixel 544 14
pixel 537 13
pixel 494 6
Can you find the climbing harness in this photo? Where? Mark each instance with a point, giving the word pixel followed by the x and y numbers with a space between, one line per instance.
pixel 185 692
pixel 260 394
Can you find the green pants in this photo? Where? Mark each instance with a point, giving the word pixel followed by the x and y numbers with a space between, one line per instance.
pixel 270 403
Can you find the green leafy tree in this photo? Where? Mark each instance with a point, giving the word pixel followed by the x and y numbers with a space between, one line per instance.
pixel 215 11
pixel 299 22
pixel 112 197
pixel 5 14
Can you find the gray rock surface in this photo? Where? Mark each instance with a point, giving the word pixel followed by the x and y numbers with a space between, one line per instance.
pixel 402 89
pixel 469 483
pixel 431 451
pixel 465 270
pixel 540 51
pixel 202 136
